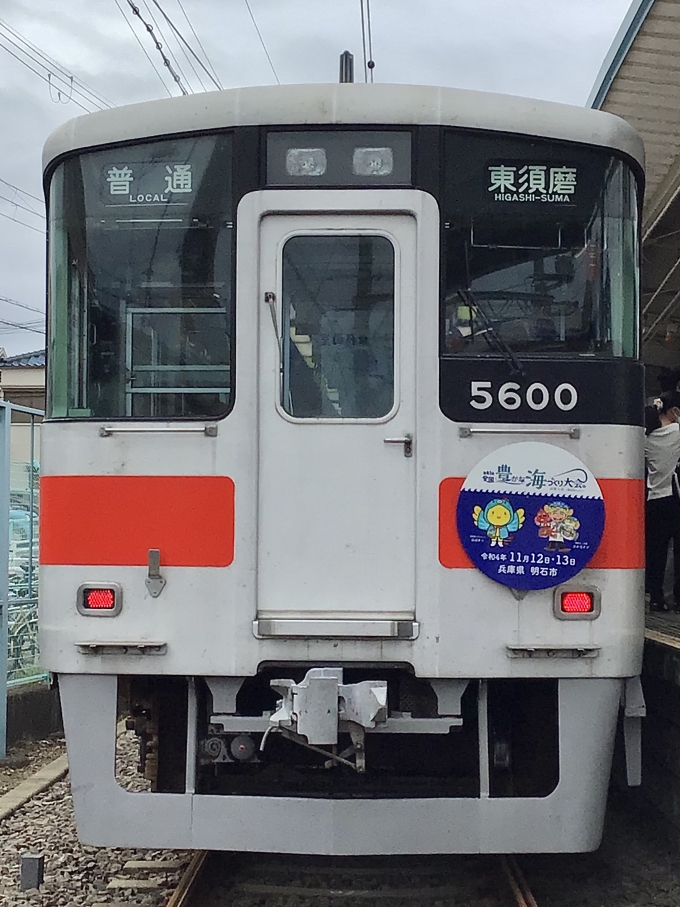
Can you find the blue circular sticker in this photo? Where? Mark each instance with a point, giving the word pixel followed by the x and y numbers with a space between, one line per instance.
pixel 530 515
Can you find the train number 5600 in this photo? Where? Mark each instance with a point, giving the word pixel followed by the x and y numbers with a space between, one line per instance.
pixel 511 396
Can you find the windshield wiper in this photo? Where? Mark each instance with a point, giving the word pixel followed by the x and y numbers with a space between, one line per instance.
pixel 472 301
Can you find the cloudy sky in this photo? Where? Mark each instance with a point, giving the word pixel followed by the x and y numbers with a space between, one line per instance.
pixel 550 49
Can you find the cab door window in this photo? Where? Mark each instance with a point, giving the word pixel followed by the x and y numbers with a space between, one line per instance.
pixel 338 327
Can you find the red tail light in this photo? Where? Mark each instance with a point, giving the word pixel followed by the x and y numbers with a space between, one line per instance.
pixel 577 602
pixel 105 601
pixel 99 599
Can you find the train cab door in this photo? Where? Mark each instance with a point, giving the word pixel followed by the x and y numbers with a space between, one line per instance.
pixel 337 456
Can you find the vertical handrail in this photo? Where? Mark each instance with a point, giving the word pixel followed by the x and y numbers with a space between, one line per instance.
pixel 192 724
pixel 5 466
pixel 483 734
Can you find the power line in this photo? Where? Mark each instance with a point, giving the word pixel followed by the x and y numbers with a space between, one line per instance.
pixel 170 51
pixel 198 41
pixel 190 48
pixel 22 191
pixel 144 50
pixel 367 39
pixel 44 78
pixel 21 223
pixel 23 207
pixel 28 326
pixel 48 78
pixel 55 71
pixel 264 46
pixel 183 44
pixel 363 39
pixel 55 64
pixel 371 61
pixel 22 305
pixel 159 46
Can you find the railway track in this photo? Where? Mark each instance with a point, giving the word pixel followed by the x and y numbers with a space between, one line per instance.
pixel 221 880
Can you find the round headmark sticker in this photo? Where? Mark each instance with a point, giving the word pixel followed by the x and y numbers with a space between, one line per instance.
pixel 530 515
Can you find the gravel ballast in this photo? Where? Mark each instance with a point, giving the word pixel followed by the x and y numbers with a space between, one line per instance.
pixel 26 757
pixel 77 875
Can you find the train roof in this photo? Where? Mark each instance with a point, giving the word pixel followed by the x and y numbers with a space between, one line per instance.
pixel 344 104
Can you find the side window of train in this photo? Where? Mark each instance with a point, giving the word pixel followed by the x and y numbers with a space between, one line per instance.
pixel 141 273
pixel 338 326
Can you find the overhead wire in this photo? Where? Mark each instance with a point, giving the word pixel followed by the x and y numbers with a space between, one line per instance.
pixel 186 44
pixel 33 326
pixel 55 64
pixel 144 50
pixel 371 61
pixel 22 191
pixel 182 42
pixel 24 196
pixel 159 47
pixel 198 41
pixel 56 72
pixel 27 326
pixel 23 207
pixel 183 45
pixel 264 46
pixel 44 78
pixel 22 305
pixel 170 51
pixel 363 39
pixel 34 323
pixel 21 223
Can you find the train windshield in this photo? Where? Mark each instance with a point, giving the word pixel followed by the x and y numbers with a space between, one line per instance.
pixel 141 252
pixel 540 249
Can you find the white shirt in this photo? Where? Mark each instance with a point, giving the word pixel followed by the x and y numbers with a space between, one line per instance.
pixel 662 451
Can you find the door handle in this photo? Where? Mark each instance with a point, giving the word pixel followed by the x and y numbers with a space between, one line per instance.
pixel 407 441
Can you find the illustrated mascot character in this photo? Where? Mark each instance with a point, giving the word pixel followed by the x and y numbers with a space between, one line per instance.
pixel 557 523
pixel 498 519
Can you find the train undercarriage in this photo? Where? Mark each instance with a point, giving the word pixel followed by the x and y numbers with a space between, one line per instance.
pixel 358 732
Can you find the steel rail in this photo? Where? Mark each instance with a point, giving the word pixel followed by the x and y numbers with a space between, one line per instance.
pixel 517 882
pixel 431 893
pixel 280 889
pixel 187 884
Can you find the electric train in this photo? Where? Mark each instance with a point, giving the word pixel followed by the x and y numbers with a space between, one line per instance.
pixel 342 468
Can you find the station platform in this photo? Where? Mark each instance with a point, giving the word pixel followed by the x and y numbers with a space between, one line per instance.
pixel 663 627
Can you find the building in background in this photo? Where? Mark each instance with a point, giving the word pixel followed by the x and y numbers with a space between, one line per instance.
pixel 22 379
pixel 22 382
pixel 640 81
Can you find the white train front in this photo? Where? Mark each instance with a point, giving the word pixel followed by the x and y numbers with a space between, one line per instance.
pixel 342 487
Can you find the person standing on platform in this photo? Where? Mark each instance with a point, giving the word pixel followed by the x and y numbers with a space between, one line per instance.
pixel 662 451
pixel 669 380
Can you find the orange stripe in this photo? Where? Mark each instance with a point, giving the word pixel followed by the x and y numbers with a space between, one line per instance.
pixel 115 520
pixel 451 551
pixel 623 543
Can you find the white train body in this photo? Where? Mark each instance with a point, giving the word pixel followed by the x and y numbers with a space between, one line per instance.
pixel 277 503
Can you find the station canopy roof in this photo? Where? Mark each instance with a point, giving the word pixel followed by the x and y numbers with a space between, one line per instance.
pixel 640 81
